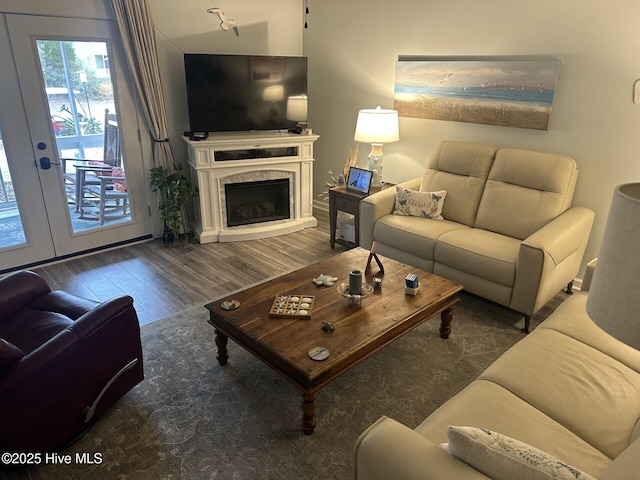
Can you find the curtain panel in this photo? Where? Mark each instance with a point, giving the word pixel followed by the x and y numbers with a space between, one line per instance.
pixel 138 37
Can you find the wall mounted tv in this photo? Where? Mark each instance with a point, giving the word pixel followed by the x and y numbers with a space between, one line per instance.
pixel 227 93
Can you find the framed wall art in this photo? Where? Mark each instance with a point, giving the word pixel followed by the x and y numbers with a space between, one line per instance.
pixel 495 91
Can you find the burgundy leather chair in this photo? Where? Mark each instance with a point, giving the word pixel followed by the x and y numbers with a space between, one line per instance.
pixel 63 361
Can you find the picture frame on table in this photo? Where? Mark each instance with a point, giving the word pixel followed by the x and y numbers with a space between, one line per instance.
pixel 359 180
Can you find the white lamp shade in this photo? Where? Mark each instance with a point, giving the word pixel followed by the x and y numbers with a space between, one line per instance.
pixel 376 125
pixel 297 108
pixel 614 301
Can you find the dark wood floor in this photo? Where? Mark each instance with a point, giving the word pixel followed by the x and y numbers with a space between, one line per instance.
pixel 163 281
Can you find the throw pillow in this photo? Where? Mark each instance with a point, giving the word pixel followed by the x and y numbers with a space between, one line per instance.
pixel 419 204
pixel 119 185
pixel 9 353
pixel 504 458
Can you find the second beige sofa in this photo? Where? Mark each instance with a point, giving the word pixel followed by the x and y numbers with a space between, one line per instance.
pixel 509 232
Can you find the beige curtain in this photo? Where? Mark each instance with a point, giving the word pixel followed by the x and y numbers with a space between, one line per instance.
pixel 138 37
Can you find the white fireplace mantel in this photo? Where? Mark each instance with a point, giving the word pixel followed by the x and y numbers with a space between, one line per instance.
pixel 224 158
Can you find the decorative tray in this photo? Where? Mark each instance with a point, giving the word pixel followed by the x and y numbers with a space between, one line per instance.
pixel 292 306
pixel 343 289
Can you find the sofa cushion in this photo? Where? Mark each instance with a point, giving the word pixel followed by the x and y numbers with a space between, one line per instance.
pixel 481 253
pixel 461 169
pixel 571 319
pixel 525 190
pixel 416 235
pixel 487 404
pixel 568 381
pixel 29 328
pixel 504 458
pixel 419 204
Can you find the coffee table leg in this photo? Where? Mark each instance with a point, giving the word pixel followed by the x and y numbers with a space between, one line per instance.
pixel 445 322
pixel 309 405
pixel 221 342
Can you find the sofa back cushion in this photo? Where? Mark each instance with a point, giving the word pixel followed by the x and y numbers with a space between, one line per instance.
pixel 525 190
pixel 461 169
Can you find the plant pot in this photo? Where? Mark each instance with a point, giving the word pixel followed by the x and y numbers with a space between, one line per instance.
pixel 168 236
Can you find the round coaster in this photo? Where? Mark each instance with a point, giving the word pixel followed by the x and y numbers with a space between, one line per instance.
pixel 230 305
pixel 318 353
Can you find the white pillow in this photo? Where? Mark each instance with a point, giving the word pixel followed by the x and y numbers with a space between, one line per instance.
pixel 419 204
pixel 504 458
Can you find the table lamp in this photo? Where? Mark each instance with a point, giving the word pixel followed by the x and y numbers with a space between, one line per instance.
pixel 377 127
pixel 613 302
pixel 297 106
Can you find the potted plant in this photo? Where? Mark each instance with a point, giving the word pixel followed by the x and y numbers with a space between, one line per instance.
pixel 174 191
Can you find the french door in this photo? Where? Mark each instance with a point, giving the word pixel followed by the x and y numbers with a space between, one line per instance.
pixel 71 167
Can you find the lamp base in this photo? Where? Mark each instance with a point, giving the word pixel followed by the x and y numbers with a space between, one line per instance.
pixel 375 164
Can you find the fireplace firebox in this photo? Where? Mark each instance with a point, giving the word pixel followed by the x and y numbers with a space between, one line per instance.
pixel 257 201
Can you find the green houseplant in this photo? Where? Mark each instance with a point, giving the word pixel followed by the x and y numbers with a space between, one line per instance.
pixel 174 191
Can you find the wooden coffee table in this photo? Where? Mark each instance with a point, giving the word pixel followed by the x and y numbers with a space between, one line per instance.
pixel 360 330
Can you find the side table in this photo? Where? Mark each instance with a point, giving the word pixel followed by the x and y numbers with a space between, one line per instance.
pixel 349 202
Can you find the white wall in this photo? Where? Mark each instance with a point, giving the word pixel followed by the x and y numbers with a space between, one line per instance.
pixel 352 48
pixel 266 28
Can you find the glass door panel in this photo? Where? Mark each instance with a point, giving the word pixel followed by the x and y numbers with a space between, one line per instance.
pixel 70 125
pixel 11 229
pixel 84 119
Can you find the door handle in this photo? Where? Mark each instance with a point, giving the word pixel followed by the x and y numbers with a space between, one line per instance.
pixel 45 163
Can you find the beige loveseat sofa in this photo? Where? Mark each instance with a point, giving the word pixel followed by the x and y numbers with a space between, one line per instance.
pixel 509 232
pixel 568 389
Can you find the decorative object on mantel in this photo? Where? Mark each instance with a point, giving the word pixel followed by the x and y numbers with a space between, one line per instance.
pixel 377 126
pixel 511 92
pixel 225 22
pixel 351 161
pixel 613 302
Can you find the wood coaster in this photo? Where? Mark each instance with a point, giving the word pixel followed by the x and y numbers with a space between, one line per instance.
pixel 318 353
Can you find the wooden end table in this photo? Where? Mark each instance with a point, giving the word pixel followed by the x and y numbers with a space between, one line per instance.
pixel 349 202
pixel 360 330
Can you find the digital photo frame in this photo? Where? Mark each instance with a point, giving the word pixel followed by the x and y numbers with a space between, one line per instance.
pixel 359 180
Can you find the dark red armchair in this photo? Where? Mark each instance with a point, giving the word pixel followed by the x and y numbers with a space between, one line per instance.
pixel 63 361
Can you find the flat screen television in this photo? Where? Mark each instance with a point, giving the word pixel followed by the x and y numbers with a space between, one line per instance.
pixel 227 93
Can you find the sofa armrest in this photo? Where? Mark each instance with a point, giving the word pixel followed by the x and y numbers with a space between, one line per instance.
pixel 550 258
pixel 18 289
pixel 388 449
pixel 376 206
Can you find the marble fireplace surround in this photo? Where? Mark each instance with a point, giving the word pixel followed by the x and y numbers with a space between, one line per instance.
pixel 211 173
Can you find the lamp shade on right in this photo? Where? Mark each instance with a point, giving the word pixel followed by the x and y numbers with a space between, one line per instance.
pixel 614 297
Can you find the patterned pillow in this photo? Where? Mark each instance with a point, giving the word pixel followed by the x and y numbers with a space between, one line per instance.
pixel 419 204
pixel 504 458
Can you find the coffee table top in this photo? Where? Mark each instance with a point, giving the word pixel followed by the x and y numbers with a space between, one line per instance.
pixel 360 330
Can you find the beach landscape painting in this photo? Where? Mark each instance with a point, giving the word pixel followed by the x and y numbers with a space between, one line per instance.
pixel 513 93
